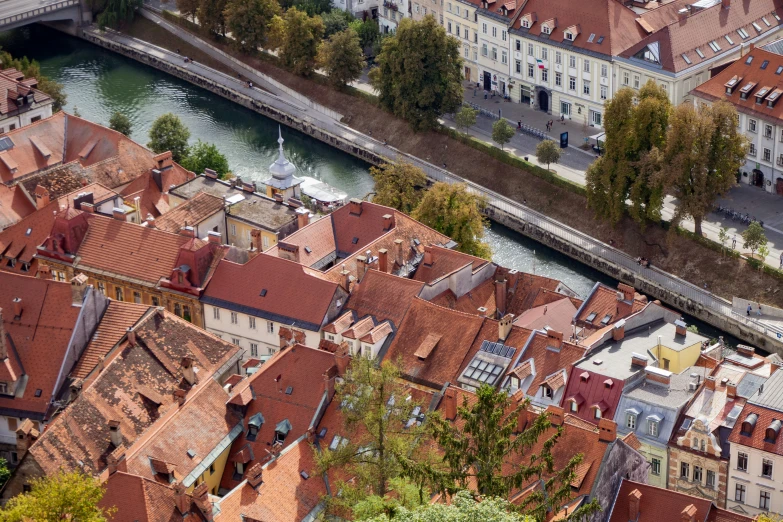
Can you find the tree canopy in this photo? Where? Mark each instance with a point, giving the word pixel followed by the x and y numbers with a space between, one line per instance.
pixel 113 13
pixel 399 185
pixel 248 21
pixel 188 8
pixel 419 72
pixel 502 132
pixel 754 238
pixel 548 152
pixel 463 508
pixel 368 32
pixel 169 133
pixel 204 155
pixel 297 37
pixel 465 118
pixel 64 496
pixel 335 21
pixel 341 58
pixel 451 210
pixel 120 123
pixel 210 16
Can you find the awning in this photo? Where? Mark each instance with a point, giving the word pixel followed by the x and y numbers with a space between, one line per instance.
pixel 601 136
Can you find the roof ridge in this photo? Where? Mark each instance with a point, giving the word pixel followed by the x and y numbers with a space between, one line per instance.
pixel 464 314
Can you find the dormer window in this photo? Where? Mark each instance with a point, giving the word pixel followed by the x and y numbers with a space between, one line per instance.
pixel 4 388
pixel 771 434
pixel 281 430
pixel 254 425
pixel 574 406
pixel 526 23
pixel 608 383
pixel 546 29
pixel 748 424
pixel 732 84
pixel 546 391
pixel 630 418
pixel 746 90
pixel 569 36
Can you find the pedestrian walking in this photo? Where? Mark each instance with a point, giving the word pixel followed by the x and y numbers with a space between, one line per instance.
pixel 748 310
pixel 759 310
pixel 781 261
pixel 734 246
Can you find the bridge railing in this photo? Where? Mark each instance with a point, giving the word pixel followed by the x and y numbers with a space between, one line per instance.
pixel 37 12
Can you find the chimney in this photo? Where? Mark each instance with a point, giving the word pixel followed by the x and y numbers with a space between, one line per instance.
pixel 500 296
pixel 554 338
pixel 388 222
pixel 383 260
pixel 618 331
pixel 608 430
pixel 680 328
pixel 556 415
pixel 355 206
pixel 3 347
pixel 41 197
pixel 115 433
pixel 709 383
pixel 688 514
pixel 78 286
pixel 450 404
pixel 361 266
pixel 87 207
pixel 26 435
pixel 627 290
pixel 638 359
pixel 187 231
pixel 726 4
pixel 17 308
pixel 164 160
pixel 731 390
pixel 745 350
pixel 211 174
pixel 188 371
pixel 343 358
pixel 201 498
pixel 504 326
pixel 398 252
pixel 427 256
pixel 131 336
pixel 255 475
pixel 118 214
pixel 278 198
pixel 248 186
pixel 75 388
pixel 657 375
pixel 302 217
pixel 179 396
pixel 345 279
pixel 181 498
pixel 634 498
pixel 116 460
pixel 214 237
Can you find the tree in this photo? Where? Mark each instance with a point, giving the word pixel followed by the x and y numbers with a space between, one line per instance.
pixel 341 58
pixel 754 238
pixel 297 37
pixel 463 508
pixel 723 236
pixel 336 21
pixel 466 118
pixel 248 21
pixel 210 16
pixel 502 132
pixel 204 155
pixel 313 7
pixel 703 153
pixel 548 152
pixel 168 133
pixel 64 496
pixel 188 8
pixel 31 69
pixel 763 253
pixel 5 473
pixel 377 432
pixel 368 33
pixel 419 72
pixel 54 90
pixel 633 131
pixel 120 123
pixel 452 210
pixel 118 12
pixel 398 185
pixel 477 446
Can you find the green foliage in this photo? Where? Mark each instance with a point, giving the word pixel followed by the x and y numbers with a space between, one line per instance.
pixel 478 443
pixel 376 408
pixel 64 496
pixel 398 185
pixel 451 210
pixel 464 508
pixel 341 58
pixel 210 16
pixel 5 473
pixel 548 152
pixel 466 117
pixel 188 8
pixel 419 72
pixel 502 132
pixel 204 155
pixel 169 133
pixel 120 123
pixel 117 12
pixel 313 7
pixel 248 21
pixel 403 495
pixel 297 36
pixel 703 153
pixel 754 237
pixel 31 69
pixel 633 131
pixel 723 236
pixel 336 21
pixel 76 112
pixel 368 32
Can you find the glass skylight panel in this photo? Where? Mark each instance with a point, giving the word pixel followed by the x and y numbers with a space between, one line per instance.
pixel 764 64
pixel 756 26
pixel 742 32
pixel 763 19
pixel 714 46
pixel 728 39
pixel 698 51
pixel 779 70
pixel 591 38
pixel 685 57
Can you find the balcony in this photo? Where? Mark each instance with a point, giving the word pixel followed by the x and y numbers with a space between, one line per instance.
pixel 390 5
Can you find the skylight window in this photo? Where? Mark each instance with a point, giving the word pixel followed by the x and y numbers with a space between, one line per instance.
pixel 355 240
pixel 763 19
pixel 263 293
pixel 728 39
pixel 750 59
pixel 756 26
pixel 780 69
pixel 714 46
pixel 698 51
pixel 591 38
pixel 308 249
pixel 685 57
pixel 591 317
pixel 764 64
pixel 28 232
pixel 606 319
pixel 776 16
pixel 742 32
pixel 600 40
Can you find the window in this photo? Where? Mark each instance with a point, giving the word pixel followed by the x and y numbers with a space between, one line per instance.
pixel 530 70
pixel 484 28
pixel 587 66
pixel 714 46
pixel 503 35
pixel 767 154
pixel 574 406
pixel 457 10
pixel 635 81
pixel 518 65
pixel 685 57
pixel 630 421
pixel 475 54
pixel 118 293
pixel 558 57
pixel 547 392
pixel 569 36
pixel 137 297
pixel 764 500
pixel 742 32
pixel 728 39
pixel 503 57
pixel 711 479
pixel 155 300
pixel 102 286
pixel 742 461
pixel 752 149
pixel 697 472
pixel 545 75
pixel 559 79
pixel 494 53
pixel 235 341
pixel 652 428
pixel 626 78
pixel 215 313
pixel 233 228
pixel 448 7
pixel 565 108
pixel 603 92
pixel 60 276
pixel 544 53
pixel 685 469
pixel 597 413
pixel 177 309
pixel 253 350
pixel 494 32
pixel 768 131
pixel 483 49
pixel 525 23
pixel 572 83
pixel 467 35
pixel 546 29
pixel 604 70
pixel 270 327
pixel 766 468
pixel 234 318
pixel 251 322
pixel 530 49
pixel 572 62
pixel 739 493
pixel 665 364
pixel 449 26
pixel 586 88
pixel 518 44
pixel 655 466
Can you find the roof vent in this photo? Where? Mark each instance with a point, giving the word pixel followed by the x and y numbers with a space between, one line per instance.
pixel 598 362
pixel 304 475
pixel 289 390
pixel 191 453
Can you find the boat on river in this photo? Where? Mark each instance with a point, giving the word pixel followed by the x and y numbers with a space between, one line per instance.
pixel 323 195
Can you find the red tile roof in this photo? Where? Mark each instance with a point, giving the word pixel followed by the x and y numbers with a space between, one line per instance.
pixel 14 205
pixel 307 372
pixel 616 303
pixel 318 237
pixel 557 315
pixel 457 331
pixel 139 499
pixel 309 308
pixel 13 84
pixel 152 198
pixel 383 296
pixel 190 213
pixel 37 341
pixel 444 262
pixel 549 364
pixel 594 393
pixel 757 438
pixel 24 158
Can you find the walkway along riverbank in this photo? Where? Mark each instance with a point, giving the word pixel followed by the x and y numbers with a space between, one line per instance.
pixel 306 119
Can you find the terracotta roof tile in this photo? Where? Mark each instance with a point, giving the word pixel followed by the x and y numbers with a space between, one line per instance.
pixel 378 333
pixel 758 436
pixel 13 84
pixel 14 205
pixel 444 262
pixel 383 296
pixel 359 328
pixel 614 303
pixel 192 212
pixel 138 499
pixel 340 324
pixel 318 237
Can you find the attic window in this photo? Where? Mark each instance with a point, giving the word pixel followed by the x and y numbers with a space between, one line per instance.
pixel 764 64
pixel 714 46
pixel 545 29
pixel 263 293
pixel 776 16
pixel 600 40
pixel 38 392
pixel 779 69
pixel 337 441
pixel 756 26
pixel 742 32
pixel 698 51
pixel 772 431
pixel 606 319
pixel 750 59
pixel 28 232
pixel 748 424
pixel 685 57
pixel 282 429
pixel 289 390
pixel 308 250
pixel 765 21
pixel 304 475
pixel 526 23
pixel 591 38
pixel 728 39
pixel 591 317
pixel 569 36
pixel 355 240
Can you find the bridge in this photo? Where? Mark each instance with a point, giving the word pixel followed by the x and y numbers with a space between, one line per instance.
pixel 16 13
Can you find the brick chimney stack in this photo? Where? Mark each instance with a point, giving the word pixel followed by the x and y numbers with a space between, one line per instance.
pixel 500 296
pixel 607 430
pixel 3 347
pixel 383 260
pixel 17 308
pixel 450 404
pixel 255 475
pixel 41 197
pixel 504 326
pixel 556 415
pixel 211 174
pixel 116 460
pixel 638 359
pixel 188 371
pixel 131 337
pixel 302 217
pixel 427 256
pixel 214 237
pixel 709 383
pixel 388 222
pixel 118 214
pixel 201 498
pixel 731 390
pixel 345 279
pixel 398 252
pixel 115 433
pixel 618 331
pixel 343 358
pixel 688 514
pixel 355 206
pixel 179 396
pixel 181 498
pixel 634 499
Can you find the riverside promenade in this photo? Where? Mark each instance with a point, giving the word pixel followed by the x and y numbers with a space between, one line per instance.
pixel 323 124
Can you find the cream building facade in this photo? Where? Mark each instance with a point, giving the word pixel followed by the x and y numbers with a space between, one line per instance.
pixel 460 18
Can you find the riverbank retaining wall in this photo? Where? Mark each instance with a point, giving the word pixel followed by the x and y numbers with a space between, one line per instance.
pixel 722 320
